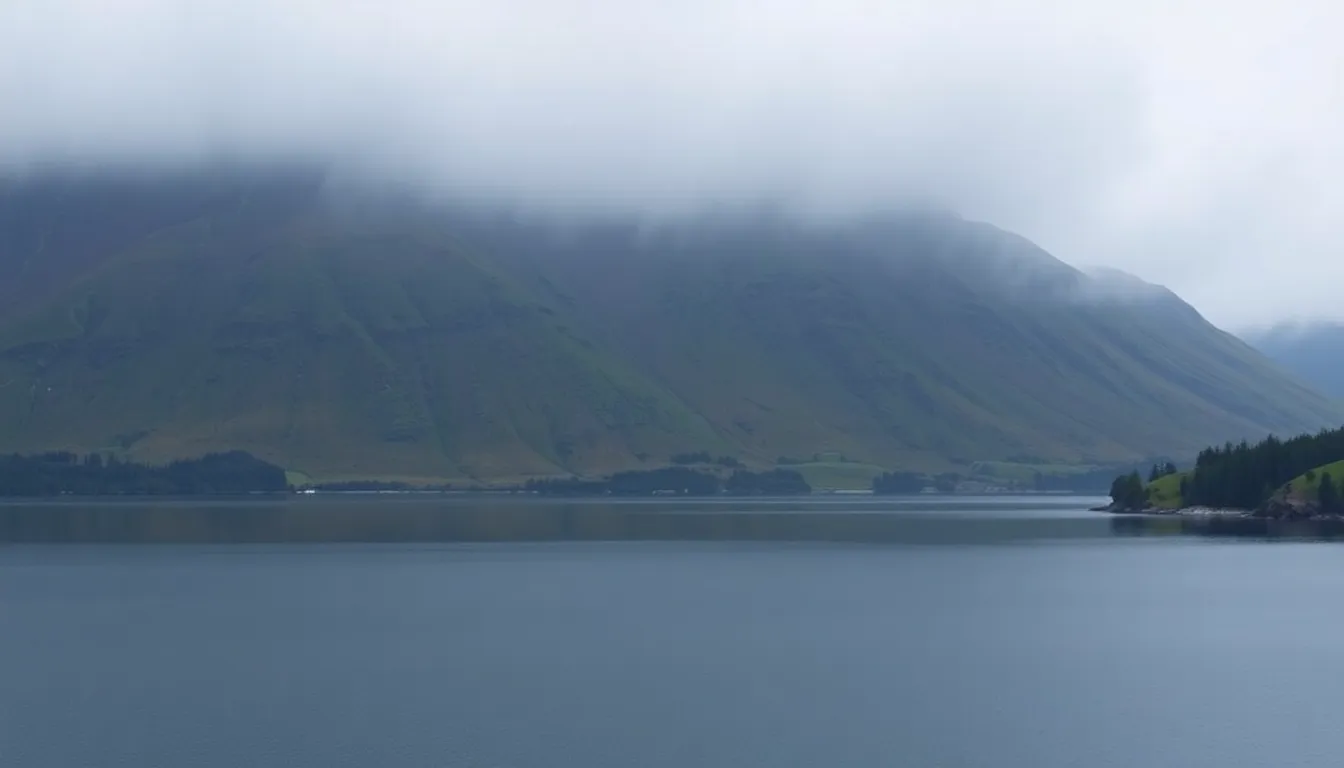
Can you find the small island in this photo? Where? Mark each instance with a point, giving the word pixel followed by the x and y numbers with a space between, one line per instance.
pixel 1275 479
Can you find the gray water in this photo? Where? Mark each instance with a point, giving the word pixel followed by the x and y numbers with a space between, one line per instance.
pixel 1023 632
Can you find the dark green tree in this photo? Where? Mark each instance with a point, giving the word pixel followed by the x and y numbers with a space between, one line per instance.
pixel 674 480
pixel 776 482
pixel 946 482
pixel 64 473
pixel 1328 495
pixel 898 483
pixel 1243 475
pixel 1127 492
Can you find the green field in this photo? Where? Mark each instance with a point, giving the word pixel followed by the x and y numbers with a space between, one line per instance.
pixel 1165 491
pixel 838 476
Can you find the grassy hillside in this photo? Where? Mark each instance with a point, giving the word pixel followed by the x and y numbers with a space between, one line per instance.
pixel 1165 491
pixel 1308 484
pixel 164 319
pixel 926 343
pixel 335 349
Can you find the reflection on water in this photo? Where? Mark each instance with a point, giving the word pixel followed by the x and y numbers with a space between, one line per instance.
pixel 1031 633
pixel 479 519
pixel 383 518
pixel 1227 526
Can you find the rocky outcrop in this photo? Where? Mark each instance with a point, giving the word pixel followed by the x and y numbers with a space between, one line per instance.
pixel 1286 505
pixel 1117 509
pixel 1125 509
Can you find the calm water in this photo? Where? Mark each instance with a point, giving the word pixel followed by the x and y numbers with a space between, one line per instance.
pixel 502 634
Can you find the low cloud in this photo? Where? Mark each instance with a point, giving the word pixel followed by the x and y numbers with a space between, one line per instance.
pixel 1192 143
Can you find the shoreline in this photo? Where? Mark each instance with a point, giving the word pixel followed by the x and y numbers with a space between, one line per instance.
pixel 1177 512
pixel 1272 514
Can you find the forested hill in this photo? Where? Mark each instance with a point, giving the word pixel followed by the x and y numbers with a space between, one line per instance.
pixel 1242 475
pixel 1245 476
pixel 161 317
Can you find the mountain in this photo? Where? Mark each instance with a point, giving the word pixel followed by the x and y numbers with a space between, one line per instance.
pixel 170 315
pixel 908 338
pixel 337 344
pixel 1314 352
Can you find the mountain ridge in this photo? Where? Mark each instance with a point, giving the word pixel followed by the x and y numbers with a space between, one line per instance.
pixel 1312 351
pixel 355 339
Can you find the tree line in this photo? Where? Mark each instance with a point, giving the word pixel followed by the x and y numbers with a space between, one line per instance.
pixel 1129 492
pixel 899 483
pixel 1090 481
pixel 1244 475
pixel 679 481
pixel 1160 471
pixel 65 473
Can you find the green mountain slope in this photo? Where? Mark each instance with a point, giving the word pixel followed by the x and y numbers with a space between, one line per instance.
pixel 336 346
pixel 910 341
pixel 167 317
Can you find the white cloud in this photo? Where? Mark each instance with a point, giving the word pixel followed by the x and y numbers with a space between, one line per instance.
pixel 1194 143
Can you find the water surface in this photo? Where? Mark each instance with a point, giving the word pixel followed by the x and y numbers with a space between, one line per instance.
pixel 1013 632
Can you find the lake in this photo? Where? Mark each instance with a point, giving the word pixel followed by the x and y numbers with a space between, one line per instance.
pixel 508 633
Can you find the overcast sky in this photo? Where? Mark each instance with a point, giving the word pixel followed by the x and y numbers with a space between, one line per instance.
pixel 1195 143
